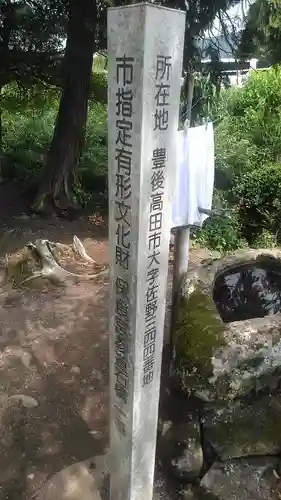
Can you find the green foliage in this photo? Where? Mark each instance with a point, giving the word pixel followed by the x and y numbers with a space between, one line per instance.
pixel 25 143
pixel 100 63
pixel 247 140
pixel 204 98
pixel 28 118
pixel 21 99
pixel 32 34
pixel 259 192
pixel 221 233
pixel 249 128
pixel 262 32
pixel 98 89
pixel 31 38
pixel 265 240
pixel 248 153
pixel 93 169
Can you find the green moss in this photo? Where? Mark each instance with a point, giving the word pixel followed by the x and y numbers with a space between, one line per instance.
pixel 253 430
pixel 198 333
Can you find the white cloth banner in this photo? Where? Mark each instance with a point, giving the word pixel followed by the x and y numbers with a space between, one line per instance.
pixel 195 168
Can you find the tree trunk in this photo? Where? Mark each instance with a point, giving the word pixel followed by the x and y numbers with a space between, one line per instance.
pixel 56 188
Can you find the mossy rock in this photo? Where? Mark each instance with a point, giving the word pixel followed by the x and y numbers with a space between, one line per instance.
pixel 198 334
pixel 245 430
pixel 219 360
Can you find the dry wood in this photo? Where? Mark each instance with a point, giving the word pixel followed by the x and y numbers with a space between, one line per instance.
pixel 79 248
pixel 50 268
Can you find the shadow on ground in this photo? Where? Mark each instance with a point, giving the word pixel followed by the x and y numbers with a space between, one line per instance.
pixel 54 349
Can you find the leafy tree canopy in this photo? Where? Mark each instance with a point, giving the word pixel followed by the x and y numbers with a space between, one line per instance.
pixel 32 33
pixel 31 38
pixel 262 33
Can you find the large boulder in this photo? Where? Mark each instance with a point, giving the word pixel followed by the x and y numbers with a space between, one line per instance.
pixel 244 479
pixel 241 430
pixel 227 337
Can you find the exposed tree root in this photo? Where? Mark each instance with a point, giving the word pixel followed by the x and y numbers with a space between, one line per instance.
pixel 79 248
pixel 51 270
pixel 40 261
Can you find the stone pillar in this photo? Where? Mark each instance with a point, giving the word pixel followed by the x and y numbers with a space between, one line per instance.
pixel 145 48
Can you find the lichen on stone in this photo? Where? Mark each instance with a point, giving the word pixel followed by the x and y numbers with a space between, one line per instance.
pixel 198 333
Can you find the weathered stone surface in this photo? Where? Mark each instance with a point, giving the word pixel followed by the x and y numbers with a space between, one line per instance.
pixel 145 48
pixel 244 479
pixel 179 450
pixel 89 480
pixel 79 480
pixel 252 359
pixel 163 488
pixel 217 360
pixel 239 431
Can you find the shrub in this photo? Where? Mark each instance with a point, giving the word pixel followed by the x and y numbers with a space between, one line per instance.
pixel 248 128
pixel 259 192
pixel 248 154
pixel 28 119
pixel 221 233
pixel 265 240
pixel 28 115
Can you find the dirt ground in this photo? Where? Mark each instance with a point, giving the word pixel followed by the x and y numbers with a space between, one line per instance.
pixel 53 349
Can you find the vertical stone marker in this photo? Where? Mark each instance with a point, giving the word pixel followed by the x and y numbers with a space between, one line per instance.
pixel 145 48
